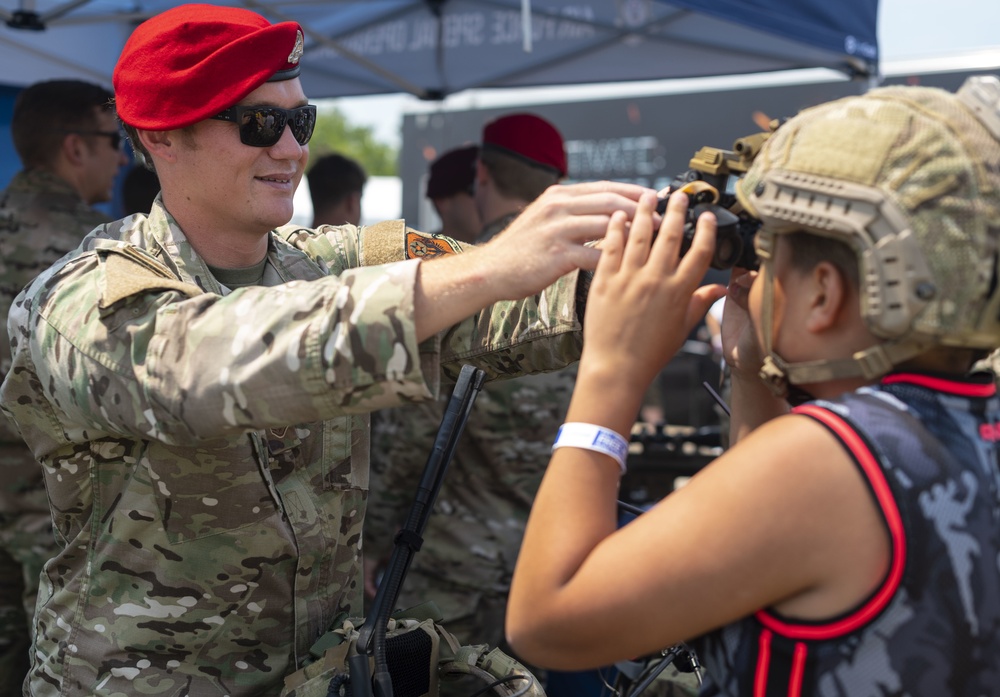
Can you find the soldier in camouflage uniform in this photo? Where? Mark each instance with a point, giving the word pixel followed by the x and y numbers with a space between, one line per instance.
pixel 451 190
pixel 196 382
pixel 847 543
pixel 471 541
pixel 68 141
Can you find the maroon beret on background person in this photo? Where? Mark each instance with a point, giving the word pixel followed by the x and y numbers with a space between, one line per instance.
pixel 193 61
pixel 453 172
pixel 529 138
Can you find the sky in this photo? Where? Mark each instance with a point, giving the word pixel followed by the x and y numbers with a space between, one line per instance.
pixel 907 29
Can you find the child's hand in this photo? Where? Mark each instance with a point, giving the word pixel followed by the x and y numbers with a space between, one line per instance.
pixel 645 300
pixel 740 347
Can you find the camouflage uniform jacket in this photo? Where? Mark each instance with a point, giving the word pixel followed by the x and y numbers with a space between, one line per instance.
pixel 474 536
pixel 494 228
pixel 41 219
pixel 206 452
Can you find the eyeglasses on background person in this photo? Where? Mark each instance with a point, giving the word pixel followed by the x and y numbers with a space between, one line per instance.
pixel 115 136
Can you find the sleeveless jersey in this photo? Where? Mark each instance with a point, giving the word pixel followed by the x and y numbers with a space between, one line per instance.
pixel 927 448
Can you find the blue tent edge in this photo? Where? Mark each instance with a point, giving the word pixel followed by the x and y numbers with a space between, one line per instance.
pixel 846 27
pixel 9 161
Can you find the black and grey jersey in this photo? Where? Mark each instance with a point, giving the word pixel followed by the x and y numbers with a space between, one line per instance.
pixel 927 447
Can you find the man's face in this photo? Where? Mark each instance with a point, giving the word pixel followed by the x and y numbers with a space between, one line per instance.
pixel 479 188
pixel 227 185
pixel 459 216
pixel 102 160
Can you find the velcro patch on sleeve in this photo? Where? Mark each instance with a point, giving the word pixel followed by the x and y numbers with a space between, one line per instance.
pixel 383 243
pixel 391 240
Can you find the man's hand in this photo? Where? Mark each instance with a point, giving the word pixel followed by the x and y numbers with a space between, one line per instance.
pixel 546 241
pixel 550 236
pixel 644 301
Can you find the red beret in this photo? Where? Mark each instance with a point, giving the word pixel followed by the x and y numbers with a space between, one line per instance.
pixel 453 172
pixel 194 61
pixel 528 137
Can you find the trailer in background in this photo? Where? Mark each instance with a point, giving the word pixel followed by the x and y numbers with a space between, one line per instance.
pixel 649 138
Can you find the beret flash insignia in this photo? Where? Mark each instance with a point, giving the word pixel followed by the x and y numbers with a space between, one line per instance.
pixel 298 49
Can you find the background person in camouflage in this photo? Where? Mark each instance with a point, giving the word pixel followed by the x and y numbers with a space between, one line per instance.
pixel 336 185
pixel 196 382
pixel 451 190
pixel 67 139
pixel 849 547
pixel 471 540
pixel 520 155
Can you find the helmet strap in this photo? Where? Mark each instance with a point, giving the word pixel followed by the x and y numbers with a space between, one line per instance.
pixel 774 371
pixel 870 363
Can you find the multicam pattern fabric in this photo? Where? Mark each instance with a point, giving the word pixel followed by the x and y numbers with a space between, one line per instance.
pixel 938 164
pixel 929 449
pixel 206 451
pixel 473 537
pixel 41 219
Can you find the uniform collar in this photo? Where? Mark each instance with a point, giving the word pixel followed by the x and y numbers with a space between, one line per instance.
pixel 491 230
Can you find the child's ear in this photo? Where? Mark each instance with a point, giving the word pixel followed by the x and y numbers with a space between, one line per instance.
pixel 828 293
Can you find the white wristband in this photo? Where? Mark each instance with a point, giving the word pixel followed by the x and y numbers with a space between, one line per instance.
pixel 591 437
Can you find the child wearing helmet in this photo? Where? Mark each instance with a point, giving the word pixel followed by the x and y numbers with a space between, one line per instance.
pixel 848 543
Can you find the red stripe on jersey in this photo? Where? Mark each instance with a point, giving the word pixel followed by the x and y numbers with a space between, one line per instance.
pixel 856 446
pixel 798 670
pixel 763 663
pixel 962 389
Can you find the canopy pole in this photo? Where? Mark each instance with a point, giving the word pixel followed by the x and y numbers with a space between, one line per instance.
pixel 526 25
pixel 57 12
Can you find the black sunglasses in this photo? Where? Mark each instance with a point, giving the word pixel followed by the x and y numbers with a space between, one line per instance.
pixel 262 126
pixel 115 136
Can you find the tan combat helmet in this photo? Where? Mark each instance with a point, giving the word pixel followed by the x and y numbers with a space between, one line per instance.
pixel 908 177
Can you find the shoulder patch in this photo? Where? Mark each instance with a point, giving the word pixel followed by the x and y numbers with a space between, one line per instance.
pixel 128 272
pixel 391 240
pixel 421 245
